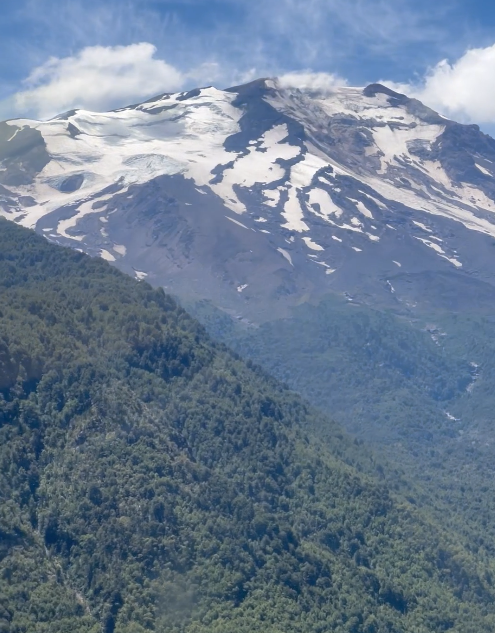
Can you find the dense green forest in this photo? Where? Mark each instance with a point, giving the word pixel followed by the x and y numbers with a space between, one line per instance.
pixel 416 387
pixel 150 480
pixel 385 379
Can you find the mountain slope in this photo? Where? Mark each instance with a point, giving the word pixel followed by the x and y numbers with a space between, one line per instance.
pixel 279 206
pixel 418 391
pixel 262 196
pixel 158 483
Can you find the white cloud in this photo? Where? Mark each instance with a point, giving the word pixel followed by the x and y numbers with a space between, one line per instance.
pixel 307 80
pixel 101 78
pixel 97 78
pixel 463 90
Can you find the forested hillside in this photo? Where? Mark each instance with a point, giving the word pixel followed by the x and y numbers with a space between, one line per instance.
pixel 416 386
pixel 150 480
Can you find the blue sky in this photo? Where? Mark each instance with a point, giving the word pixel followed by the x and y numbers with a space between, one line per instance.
pixel 223 42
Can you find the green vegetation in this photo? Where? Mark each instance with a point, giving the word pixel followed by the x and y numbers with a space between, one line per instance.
pixel 420 391
pixel 150 480
pixel 379 375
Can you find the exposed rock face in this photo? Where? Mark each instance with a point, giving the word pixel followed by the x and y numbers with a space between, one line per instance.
pixel 260 197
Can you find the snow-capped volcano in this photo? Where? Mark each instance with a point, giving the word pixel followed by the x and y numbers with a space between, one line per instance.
pixel 260 194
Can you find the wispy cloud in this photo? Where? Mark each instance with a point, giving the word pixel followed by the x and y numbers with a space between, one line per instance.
pixel 349 36
pixel 343 36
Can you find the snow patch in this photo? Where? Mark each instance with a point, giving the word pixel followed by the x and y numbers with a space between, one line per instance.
pixel 438 249
pixel 483 170
pixel 453 261
pixel 327 206
pixel 323 264
pixel 303 172
pixel 258 166
pixel 362 208
pixel 14 135
pixel 272 197
pixel 451 417
pixel 392 142
pixel 312 245
pixel 422 226
pixel 120 249
pixel 285 254
pixel 107 256
pixel 431 245
pixel 293 214
pixel 237 222
pixel 84 209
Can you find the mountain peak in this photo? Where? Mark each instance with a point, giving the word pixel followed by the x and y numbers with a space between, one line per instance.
pixel 299 191
pixel 373 89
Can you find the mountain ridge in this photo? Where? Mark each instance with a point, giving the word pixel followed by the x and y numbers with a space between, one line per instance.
pixel 264 196
pixel 152 481
pixel 271 203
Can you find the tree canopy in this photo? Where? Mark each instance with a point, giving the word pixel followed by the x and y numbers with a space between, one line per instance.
pixel 151 480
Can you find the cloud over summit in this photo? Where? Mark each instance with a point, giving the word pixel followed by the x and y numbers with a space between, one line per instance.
pixel 307 80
